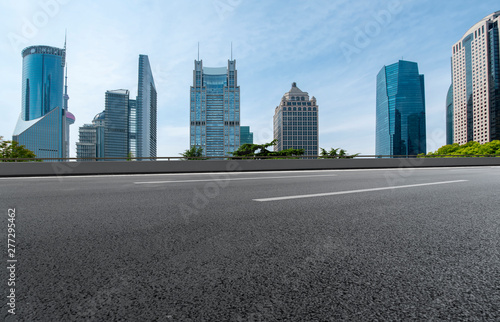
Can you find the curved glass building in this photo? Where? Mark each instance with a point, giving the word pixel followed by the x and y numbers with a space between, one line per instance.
pixel 400 110
pixel 43 126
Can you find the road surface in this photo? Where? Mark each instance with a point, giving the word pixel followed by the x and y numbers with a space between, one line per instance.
pixel 360 245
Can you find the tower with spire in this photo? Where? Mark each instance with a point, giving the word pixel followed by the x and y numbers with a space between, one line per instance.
pixel 43 124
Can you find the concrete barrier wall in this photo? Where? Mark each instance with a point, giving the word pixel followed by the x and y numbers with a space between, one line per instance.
pixel 12 169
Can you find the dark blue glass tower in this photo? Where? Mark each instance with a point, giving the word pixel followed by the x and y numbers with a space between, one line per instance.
pixel 400 110
pixel 246 137
pixel 449 116
pixel 116 138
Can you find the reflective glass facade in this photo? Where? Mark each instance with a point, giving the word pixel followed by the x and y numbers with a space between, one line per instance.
pixel 116 143
pixel 43 80
pixel 296 122
pixel 246 137
pixel 43 94
pixel 400 129
pixel 449 116
pixel 215 109
pixel 143 137
pixel 43 136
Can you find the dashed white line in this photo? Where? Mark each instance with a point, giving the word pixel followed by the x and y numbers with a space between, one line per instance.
pixel 355 191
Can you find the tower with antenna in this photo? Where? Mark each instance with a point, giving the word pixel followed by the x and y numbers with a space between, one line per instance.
pixel 215 108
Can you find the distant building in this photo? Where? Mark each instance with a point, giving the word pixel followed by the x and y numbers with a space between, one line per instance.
pixel 296 122
pixel 91 139
pixel 476 83
pixel 116 142
pixel 449 116
pixel 43 126
pixel 246 137
pixel 129 128
pixel 400 128
pixel 143 123
pixel 215 109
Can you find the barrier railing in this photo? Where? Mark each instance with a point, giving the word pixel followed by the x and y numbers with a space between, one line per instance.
pixel 181 158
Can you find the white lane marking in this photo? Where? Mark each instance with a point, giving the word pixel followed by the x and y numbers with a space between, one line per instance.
pixel 355 191
pixel 234 179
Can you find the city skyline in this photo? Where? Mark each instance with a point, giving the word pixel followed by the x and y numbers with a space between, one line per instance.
pixel 332 58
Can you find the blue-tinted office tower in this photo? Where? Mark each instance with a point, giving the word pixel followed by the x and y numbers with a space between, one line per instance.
pixel 215 109
pixel 43 126
pixel 143 114
pixel 116 135
pixel 400 110
pixel 246 137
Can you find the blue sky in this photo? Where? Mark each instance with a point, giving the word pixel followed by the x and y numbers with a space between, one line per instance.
pixel 332 49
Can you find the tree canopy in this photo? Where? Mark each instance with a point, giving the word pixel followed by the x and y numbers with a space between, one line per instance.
pixel 471 148
pixel 194 153
pixel 336 154
pixel 255 151
pixel 12 150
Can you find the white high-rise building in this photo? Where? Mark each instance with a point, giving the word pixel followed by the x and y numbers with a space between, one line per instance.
pixel 476 83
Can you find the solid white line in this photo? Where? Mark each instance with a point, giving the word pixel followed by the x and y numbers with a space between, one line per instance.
pixel 234 179
pixel 355 191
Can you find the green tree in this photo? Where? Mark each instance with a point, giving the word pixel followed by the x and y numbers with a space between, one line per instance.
pixel 471 148
pixel 337 153
pixel 193 153
pixel 12 150
pixel 256 151
pixel 130 156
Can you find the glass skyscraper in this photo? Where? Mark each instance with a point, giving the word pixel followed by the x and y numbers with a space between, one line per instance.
pixel 43 126
pixel 476 83
pixel 116 135
pixel 246 137
pixel 143 114
pixel 215 109
pixel 296 122
pixel 400 110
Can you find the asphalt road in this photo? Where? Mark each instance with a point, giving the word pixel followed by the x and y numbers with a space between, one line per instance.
pixel 277 246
